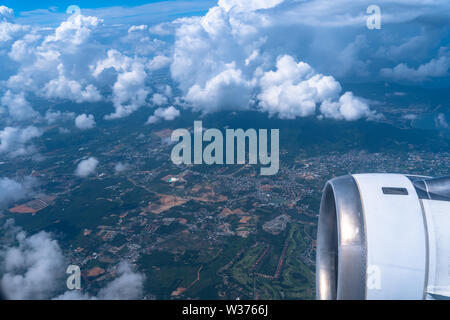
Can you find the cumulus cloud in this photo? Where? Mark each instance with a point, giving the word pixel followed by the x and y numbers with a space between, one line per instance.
pixel 158 99
pixel 84 122
pixel 10 31
pixel 435 68
pixel 13 190
pixel 240 68
pixel 6 13
pixel 16 141
pixel 294 89
pixel 167 114
pixel 348 108
pixel 47 63
pixel 219 60
pixel 163 29
pixel 141 27
pixel 128 285
pixel 158 62
pixel 70 63
pixel 33 267
pixel 63 88
pixel 129 91
pixel 51 65
pixel 249 5
pixel 74 31
pixel 86 167
pixel 54 116
pixel 18 107
pixel 226 91
pixel 211 38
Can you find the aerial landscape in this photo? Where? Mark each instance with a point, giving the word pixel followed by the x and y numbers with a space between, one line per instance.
pixel 91 94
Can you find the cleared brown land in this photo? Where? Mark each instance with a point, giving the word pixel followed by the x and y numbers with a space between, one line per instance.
pixel 166 202
pixel 22 209
pixel 245 219
pixel 164 133
pixel 33 206
pixel 95 272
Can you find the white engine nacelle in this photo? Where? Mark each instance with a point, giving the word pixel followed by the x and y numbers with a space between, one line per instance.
pixel 384 236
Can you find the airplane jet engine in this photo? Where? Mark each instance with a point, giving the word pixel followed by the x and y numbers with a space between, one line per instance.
pixel 384 236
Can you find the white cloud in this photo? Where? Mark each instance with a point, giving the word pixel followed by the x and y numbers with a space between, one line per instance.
pixel 227 90
pixel 74 295
pixel 127 286
pixel 435 68
pixel 15 141
pixel 32 268
pixel 237 41
pixel 294 89
pixel 85 122
pixel 218 60
pixel 19 108
pixel 13 190
pixel 63 88
pixel 158 99
pixel 6 13
pixel 86 167
pixel 54 116
pixel 9 31
pixel 141 27
pixel 23 48
pixel 130 91
pixel 167 114
pixel 75 31
pixel 68 63
pixel 158 62
pixel 210 45
pixel 248 5
pixel 54 64
pixel 348 108
pixel 163 29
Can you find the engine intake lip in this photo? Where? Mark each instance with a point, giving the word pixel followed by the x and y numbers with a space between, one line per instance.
pixel 341 259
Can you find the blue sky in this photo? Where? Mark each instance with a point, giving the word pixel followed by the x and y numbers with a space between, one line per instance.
pixel 49 12
pixel 61 5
